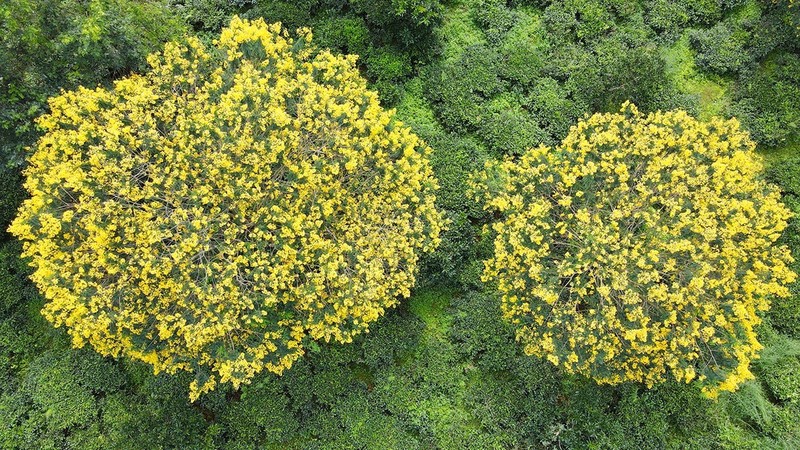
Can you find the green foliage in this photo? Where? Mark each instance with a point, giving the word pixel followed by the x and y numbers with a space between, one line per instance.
pixel 348 34
pixel 454 157
pixel 387 67
pixel 554 107
pixel 766 101
pixel 408 23
pixel 582 20
pixel 55 392
pixel 443 370
pixel 769 426
pixel 666 16
pixel 481 335
pixel 457 90
pixel 622 71
pixel 508 128
pixel 704 95
pixel 261 412
pixel 209 16
pixel 494 18
pixel 785 313
pixel 721 48
pixel 531 75
pixel 704 11
pixel 23 334
pixel 524 51
pixel 11 195
pixel 779 369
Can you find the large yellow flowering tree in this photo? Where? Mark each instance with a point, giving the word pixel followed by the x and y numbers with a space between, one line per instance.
pixel 641 246
pixel 221 211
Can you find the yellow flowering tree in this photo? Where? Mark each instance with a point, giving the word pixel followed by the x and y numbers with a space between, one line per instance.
pixel 226 208
pixel 642 246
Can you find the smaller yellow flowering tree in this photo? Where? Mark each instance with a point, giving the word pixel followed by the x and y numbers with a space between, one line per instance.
pixel 641 246
pixel 226 208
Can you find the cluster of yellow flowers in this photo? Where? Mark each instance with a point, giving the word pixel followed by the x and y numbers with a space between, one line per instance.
pixel 641 246
pixel 220 211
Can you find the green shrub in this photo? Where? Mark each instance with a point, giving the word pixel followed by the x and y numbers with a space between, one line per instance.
pixel 509 129
pixel 388 68
pixel 260 417
pixel 666 16
pixel 455 253
pixel 621 71
pixel 153 413
pixel 704 11
pixel 721 48
pixel 553 106
pixel 291 13
pixel 458 89
pixel 480 334
pixel 18 296
pixel 785 313
pixel 391 341
pixel 772 25
pixel 751 406
pixel 209 16
pixel 524 51
pixel 454 157
pixel 406 24
pixel 779 369
pixel 766 101
pixel 582 20
pixel 11 195
pixel 494 18
pixel 53 389
pixel 348 34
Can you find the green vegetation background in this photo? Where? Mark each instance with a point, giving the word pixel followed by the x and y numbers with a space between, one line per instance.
pixel 477 79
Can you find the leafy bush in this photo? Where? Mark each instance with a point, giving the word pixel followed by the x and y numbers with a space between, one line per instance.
pixel 704 11
pixel 406 25
pixel 347 34
pixel 458 89
pixel 386 66
pixel 721 48
pixel 262 413
pixel 766 101
pixel 524 51
pixel 480 333
pixel 11 195
pixel 779 368
pixel 785 313
pixel 226 208
pixel 615 261
pixel 494 18
pixel 579 19
pixel 208 16
pixel 666 16
pixel 509 129
pixel 555 108
pixel 621 71
pixel 754 422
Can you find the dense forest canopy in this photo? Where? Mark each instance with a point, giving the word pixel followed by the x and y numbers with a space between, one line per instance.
pixel 459 88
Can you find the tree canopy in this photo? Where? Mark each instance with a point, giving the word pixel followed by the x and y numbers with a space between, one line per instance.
pixel 227 207
pixel 641 246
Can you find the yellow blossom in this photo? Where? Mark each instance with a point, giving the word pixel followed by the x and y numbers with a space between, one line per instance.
pixel 662 258
pixel 198 217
